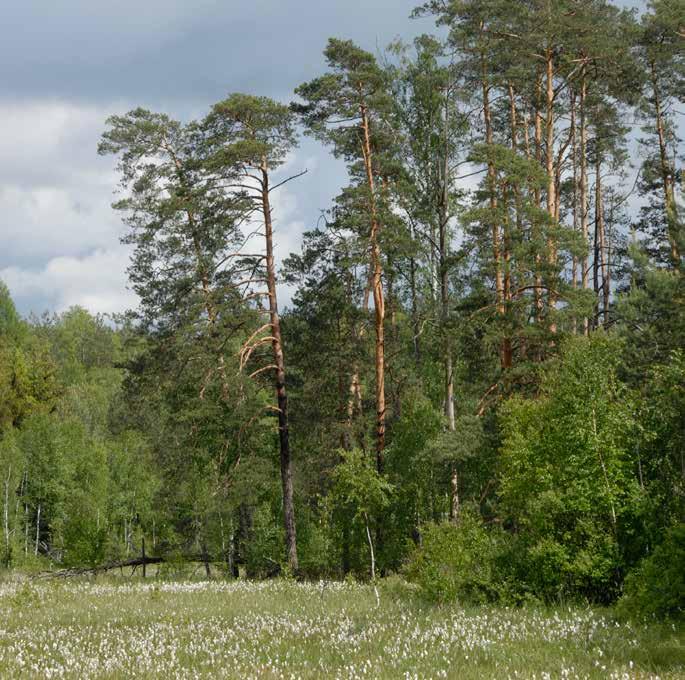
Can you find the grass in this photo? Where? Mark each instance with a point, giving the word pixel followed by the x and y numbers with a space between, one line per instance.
pixel 281 629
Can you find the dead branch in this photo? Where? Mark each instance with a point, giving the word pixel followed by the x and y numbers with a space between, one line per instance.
pixel 245 356
pixel 261 370
pixel 482 404
pixel 285 181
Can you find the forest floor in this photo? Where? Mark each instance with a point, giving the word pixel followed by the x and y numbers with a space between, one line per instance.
pixel 280 629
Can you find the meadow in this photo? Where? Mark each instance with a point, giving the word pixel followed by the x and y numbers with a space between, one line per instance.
pixel 282 629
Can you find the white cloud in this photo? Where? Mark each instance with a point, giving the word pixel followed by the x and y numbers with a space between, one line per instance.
pixel 52 142
pixel 55 192
pixel 58 233
pixel 96 281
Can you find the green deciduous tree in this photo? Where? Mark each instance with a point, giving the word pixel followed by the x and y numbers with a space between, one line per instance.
pixel 569 481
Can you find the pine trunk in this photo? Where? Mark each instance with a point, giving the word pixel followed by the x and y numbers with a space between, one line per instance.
pixel 551 180
pixel 574 166
pixel 666 171
pixel 377 290
pixel 584 209
pixel 281 395
pixel 491 179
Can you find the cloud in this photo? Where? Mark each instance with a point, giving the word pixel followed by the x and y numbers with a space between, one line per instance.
pixel 55 192
pixel 67 66
pixel 96 281
pixel 60 235
pixel 175 50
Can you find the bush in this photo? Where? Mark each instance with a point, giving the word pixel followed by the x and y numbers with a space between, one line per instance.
pixel 553 571
pixel 84 543
pixel 568 487
pixel 657 587
pixel 264 554
pixel 315 545
pixel 456 561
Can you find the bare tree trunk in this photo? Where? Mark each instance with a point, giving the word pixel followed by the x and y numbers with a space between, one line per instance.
pixel 551 182
pixel 606 268
pixel 7 516
pixel 513 123
pixel 414 308
pixel 345 416
pixel 539 305
pixel 393 395
pixel 127 539
pixel 584 209
pixel 443 216
pixel 598 264
pixel 449 366
pixel 35 552
pixel 533 231
pixel 373 559
pixel 205 560
pixel 574 164
pixel 354 402
pixel 496 245
pixel 281 395
pixel 228 548
pixel 346 547
pixel 17 504
pixel 433 266
pixel 667 174
pixel 604 262
pixel 377 289
pixel 454 495
pixel 443 219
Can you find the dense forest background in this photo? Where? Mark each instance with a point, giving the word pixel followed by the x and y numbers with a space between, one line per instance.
pixel 480 378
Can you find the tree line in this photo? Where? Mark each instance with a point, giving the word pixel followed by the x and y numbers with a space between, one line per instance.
pixel 483 354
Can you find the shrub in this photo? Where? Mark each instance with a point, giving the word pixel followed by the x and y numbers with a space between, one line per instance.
pixel 316 548
pixel 568 487
pixel 657 587
pixel 456 561
pixel 264 555
pixel 85 542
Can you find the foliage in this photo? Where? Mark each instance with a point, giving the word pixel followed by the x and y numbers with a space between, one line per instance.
pixel 467 304
pixel 568 482
pixel 264 555
pixel 657 586
pixel 456 562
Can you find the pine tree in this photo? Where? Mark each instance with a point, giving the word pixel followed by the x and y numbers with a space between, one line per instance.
pixel 348 109
pixel 251 137
pixel 661 57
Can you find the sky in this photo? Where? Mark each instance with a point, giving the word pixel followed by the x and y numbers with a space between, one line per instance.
pixel 66 66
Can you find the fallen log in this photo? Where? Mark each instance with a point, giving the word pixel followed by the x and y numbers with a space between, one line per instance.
pixel 80 571
pixel 135 562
